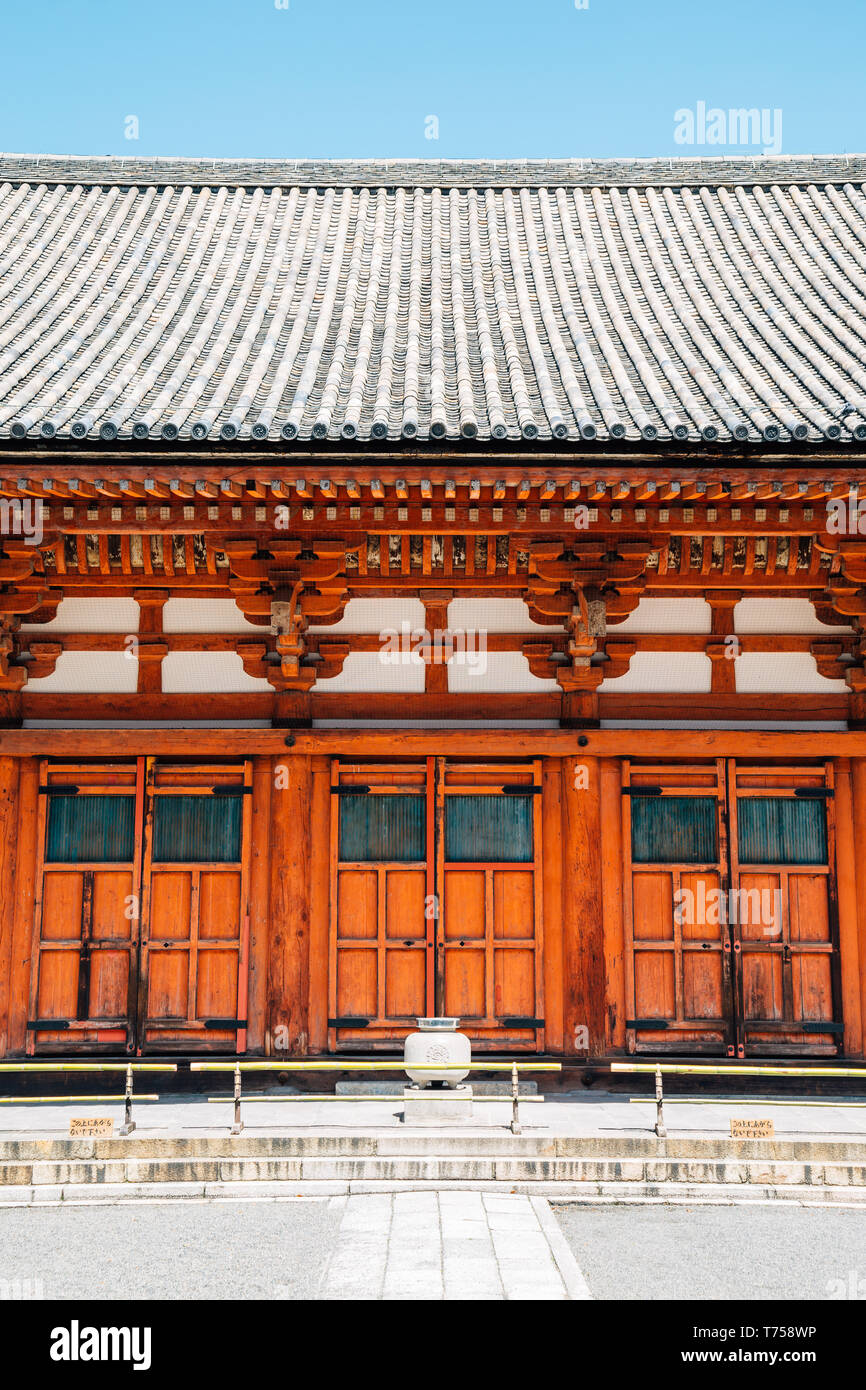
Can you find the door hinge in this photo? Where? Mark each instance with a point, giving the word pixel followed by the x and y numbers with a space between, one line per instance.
pixel 348 1022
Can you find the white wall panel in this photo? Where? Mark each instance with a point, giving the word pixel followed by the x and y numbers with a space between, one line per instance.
pixel 788 672
pixel 377 614
pixel 87 673
pixel 667 615
pixel 208 672
pixel 206 615
pixel 90 615
pixel 368 671
pixel 475 673
pixel 659 671
pixel 779 615
pixel 492 615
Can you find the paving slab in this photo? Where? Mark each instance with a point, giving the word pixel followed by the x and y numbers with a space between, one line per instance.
pixel 516 1250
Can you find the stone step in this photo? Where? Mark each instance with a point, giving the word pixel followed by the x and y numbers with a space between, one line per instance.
pixel 436 1144
pixel 465 1168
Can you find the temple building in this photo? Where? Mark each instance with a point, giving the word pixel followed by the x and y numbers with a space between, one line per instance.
pixel 432 589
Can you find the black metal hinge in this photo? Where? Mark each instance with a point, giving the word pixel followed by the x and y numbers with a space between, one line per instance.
pixel 348 1022
pixel 48 1025
pixel 641 791
pixel 519 1021
pixel 219 1023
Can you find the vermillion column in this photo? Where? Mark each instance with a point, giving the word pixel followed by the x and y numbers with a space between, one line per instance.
pixel 582 918
pixel 551 869
pixel 8 844
pixel 25 907
pixel 320 862
pixel 846 888
pixel 612 890
pixel 259 903
pixel 289 938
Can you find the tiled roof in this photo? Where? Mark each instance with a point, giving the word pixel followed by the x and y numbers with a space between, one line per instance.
pixel 575 300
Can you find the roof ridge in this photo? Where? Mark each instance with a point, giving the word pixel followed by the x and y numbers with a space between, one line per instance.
pixel 659 171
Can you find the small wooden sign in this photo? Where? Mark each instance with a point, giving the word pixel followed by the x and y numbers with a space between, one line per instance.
pixel 752 1129
pixel 88 1129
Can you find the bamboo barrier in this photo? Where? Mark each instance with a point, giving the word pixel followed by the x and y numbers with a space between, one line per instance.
pixel 128 1068
pixel 238 1068
pixel 659 1069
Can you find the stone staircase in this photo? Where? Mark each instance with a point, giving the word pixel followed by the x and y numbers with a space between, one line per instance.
pixel 568 1168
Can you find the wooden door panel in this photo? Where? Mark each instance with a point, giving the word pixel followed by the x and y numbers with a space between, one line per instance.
pixel 463 905
pixel 654 986
pixel 513 982
pixel 809 908
pixel 653 897
pixel 357 980
pixel 513 905
pixel 405 984
pixel 86 926
pixel 168 984
pixel 219 906
pixel 703 985
pixel 216 984
pixel 58 986
pixel 195 951
pixel 358 904
pixel 813 988
pixel 762 986
pixel 465 980
pixel 786 934
pixel 678 976
pixel 170 903
pixel 417 936
pixel 62 895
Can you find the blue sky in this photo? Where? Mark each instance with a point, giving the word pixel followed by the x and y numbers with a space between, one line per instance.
pixel 361 77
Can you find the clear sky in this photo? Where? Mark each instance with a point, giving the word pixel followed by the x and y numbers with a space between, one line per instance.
pixel 364 77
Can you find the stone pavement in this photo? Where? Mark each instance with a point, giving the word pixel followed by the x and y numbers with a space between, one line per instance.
pixel 451 1245
pixel 599 1113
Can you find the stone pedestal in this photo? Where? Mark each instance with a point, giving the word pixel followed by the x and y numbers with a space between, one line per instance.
pixel 445 1107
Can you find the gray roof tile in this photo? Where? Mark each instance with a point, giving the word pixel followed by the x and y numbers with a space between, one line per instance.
pixel 574 300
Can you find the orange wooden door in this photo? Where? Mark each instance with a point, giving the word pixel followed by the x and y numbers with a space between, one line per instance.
pixel 784 922
pixel 195 945
pixel 489 939
pixel 435 902
pixel 85 944
pixel 678 975
pixel 383 918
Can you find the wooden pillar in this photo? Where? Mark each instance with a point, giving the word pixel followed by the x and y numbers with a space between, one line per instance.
pixel 25 907
pixel 858 777
pixel 9 770
pixel 259 904
pixel 289 936
pixel 612 891
pixel 320 902
pixel 551 855
pixel 583 938
pixel 846 889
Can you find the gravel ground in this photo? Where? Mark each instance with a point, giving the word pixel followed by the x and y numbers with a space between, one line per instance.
pixel 751 1252
pixel 231 1250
